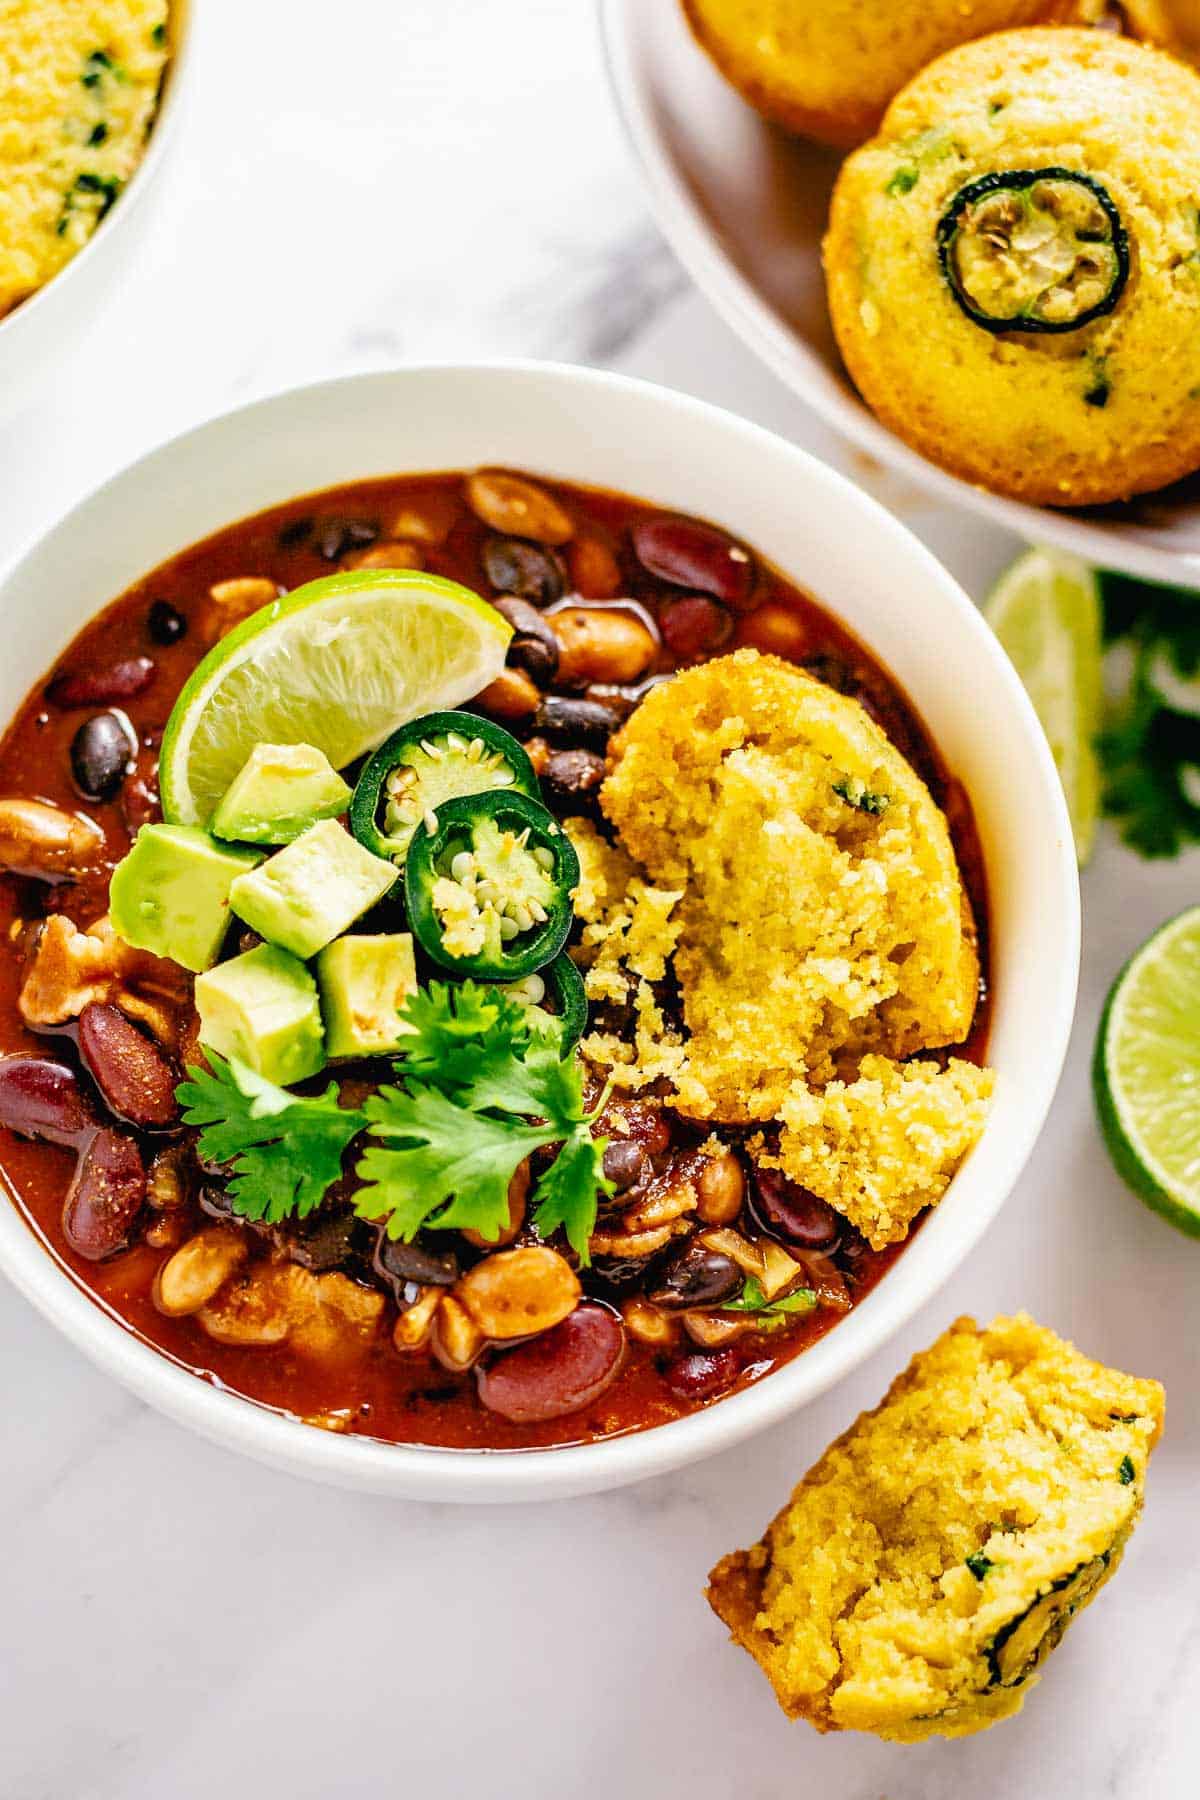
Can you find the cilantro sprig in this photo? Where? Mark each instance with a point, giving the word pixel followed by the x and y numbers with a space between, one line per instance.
pixel 1150 751
pixel 752 1299
pixel 284 1151
pixel 481 1087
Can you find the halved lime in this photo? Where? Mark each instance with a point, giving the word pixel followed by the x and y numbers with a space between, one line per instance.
pixel 1045 610
pixel 338 664
pixel 1146 1072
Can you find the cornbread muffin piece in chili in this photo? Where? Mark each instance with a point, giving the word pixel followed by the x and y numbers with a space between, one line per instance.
pixel 930 1561
pixel 78 92
pixel 1013 266
pixel 821 906
pixel 827 68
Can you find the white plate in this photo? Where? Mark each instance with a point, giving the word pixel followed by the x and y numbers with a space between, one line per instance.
pixel 744 206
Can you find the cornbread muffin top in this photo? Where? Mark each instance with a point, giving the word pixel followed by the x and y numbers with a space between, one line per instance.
pixel 828 68
pixel 932 1558
pixel 1055 413
pixel 78 91
pixel 819 909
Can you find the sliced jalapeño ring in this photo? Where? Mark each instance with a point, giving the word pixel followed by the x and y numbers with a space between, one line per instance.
pixel 1036 250
pixel 426 762
pixel 488 883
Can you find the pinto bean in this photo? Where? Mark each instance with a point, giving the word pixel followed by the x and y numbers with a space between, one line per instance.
pixel 720 1188
pixel 516 507
pixel 518 1292
pixel 386 556
pixel 777 629
pixel 511 696
pixel 134 1077
pixel 101 687
pixel 647 1324
pixel 105 1197
pixel 42 1099
pixel 529 571
pixel 45 842
pixel 690 554
pixel 595 571
pixel 559 1372
pixel 598 643
pixel 189 1279
pixel 458 1341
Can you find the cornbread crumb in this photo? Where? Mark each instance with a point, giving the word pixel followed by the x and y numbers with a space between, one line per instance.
pixel 819 905
pixel 930 1561
pixel 885 1145
pixel 78 92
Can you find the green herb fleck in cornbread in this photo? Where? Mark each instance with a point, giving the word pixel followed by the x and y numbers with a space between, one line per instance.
pixel 78 92
pixel 930 1561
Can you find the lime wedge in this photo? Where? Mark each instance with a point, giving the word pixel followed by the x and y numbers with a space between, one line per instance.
pixel 337 664
pixel 1045 610
pixel 1146 1072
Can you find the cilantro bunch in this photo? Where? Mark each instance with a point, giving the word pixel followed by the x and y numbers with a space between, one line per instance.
pixel 1150 751
pixel 481 1084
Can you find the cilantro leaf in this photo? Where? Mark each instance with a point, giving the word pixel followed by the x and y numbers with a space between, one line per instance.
pixel 567 1191
pixel 284 1150
pixel 752 1299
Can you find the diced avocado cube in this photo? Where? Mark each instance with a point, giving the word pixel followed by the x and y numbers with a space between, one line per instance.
pixel 262 1007
pixel 279 792
pixel 170 894
pixel 305 896
pixel 364 982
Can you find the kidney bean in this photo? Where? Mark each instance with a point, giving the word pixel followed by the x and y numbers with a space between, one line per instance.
pixel 135 1080
pixel 586 724
pixel 165 623
pixel 694 626
pixel 335 536
pixel 697 1276
pixel 533 646
pixel 566 1368
pixel 101 687
pixel 527 570
pixel 626 1165
pixel 140 802
pixel 516 507
pixel 601 643
pixel 105 1196
pixel 788 1211
pixel 702 1375
pixel 400 1263
pixel 690 554
pixel 571 775
pixel 42 1099
pixel 102 751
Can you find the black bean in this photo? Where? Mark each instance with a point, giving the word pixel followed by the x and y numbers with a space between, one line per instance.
pixel 573 774
pixel 165 623
pixel 533 571
pixel 101 755
pixel 399 1263
pixel 788 1211
pixel 336 536
pixel 626 1164
pixel 328 1240
pixel 583 724
pixel 534 646
pixel 697 1276
pixel 294 533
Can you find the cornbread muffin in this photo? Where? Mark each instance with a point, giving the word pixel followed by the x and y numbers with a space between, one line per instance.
pixel 820 906
pixel 1013 266
pixel 927 1565
pixel 78 92
pixel 827 68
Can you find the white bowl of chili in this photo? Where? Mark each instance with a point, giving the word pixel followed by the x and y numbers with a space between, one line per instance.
pixel 598 431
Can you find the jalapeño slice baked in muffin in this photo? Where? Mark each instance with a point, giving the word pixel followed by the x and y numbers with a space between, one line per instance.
pixel 827 68
pixel 1013 266
pixel 928 1564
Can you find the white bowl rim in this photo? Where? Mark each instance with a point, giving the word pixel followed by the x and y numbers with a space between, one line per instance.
pixel 140 183
pixel 417 1471
pixel 754 321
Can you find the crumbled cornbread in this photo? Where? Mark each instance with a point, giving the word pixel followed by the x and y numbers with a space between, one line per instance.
pixel 78 91
pixel 881 1147
pixel 821 905
pixel 933 1557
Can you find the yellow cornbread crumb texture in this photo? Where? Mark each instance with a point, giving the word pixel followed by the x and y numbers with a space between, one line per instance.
pixel 807 924
pixel 1088 415
pixel 78 90
pixel 1004 1446
pixel 885 1145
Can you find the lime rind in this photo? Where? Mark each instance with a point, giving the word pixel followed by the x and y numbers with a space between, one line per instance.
pixel 337 664
pixel 1146 1072
pixel 1045 610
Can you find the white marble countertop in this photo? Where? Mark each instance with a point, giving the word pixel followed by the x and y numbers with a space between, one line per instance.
pixel 353 185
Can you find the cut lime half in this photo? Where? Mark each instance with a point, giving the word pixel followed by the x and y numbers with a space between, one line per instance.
pixel 1045 610
pixel 337 664
pixel 1146 1072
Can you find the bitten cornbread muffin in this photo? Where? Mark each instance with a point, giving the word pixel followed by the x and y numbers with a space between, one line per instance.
pixel 827 68
pixel 78 92
pixel 1013 266
pixel 924 1569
